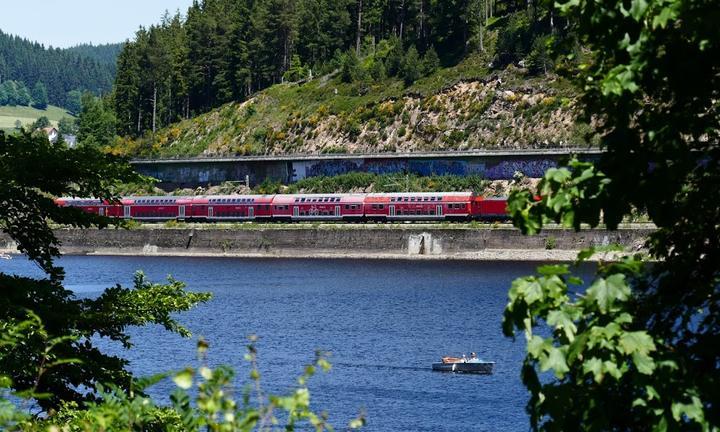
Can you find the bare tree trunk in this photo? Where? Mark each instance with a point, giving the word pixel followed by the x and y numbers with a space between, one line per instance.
pixel 402 19
pixel 154 106
pixel 359 26
pixel 422 21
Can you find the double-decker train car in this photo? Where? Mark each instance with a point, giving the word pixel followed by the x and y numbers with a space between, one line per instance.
pixel 419 206
pixel 318 207
pixel 157 208
pixel 429 206
pixel 232 207
pixel 91 205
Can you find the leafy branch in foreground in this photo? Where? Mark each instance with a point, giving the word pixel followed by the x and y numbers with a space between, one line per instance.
pixel 638 349
pixel 204 399
pixel 107 316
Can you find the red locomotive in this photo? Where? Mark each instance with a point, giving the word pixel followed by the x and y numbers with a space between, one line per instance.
pixel 425 206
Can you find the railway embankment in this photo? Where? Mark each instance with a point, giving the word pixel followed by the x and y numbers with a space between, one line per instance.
pixel 435 242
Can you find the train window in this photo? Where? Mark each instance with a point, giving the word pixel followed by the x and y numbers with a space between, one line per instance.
pixel 381 206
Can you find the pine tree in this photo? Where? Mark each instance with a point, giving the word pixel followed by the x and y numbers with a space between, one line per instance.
pixel 395 58
pixel 350 67
pixel 430 62
pixel 412 67
pixel 39 96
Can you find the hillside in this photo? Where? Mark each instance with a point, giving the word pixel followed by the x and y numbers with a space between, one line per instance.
pixel 60 71
pixel 10 114
pixel 103 54
pixel 459 108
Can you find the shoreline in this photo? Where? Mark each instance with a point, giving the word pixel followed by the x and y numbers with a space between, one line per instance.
pixel 415 243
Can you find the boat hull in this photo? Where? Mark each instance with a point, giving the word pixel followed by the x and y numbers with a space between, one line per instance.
pixel 484 368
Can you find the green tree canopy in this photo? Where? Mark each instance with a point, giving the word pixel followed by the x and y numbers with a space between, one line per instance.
pixel 39 96
pixel 96 122
pixel 41 123
pixel 638 349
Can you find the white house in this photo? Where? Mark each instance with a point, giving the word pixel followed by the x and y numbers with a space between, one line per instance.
pixel 52 133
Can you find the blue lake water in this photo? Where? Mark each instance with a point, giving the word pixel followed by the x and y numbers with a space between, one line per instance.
pixel 384 322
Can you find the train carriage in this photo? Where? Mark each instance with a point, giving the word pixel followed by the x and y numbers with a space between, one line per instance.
pixel 232 207
pixel 159 208
pixel 418 206
pixel 92 205
pixel 318 207
pixel 489 208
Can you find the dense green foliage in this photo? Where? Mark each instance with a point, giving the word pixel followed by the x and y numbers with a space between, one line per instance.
pixel 95 122
pixel 58 70
pixel 204 400
pixel 105 54
pixel 32 171
pixel 638 349
pixel 362 182
pixel 225 51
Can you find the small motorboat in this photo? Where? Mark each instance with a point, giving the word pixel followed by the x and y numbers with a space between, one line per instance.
pixel 464 365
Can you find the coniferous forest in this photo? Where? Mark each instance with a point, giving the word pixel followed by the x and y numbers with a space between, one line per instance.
pixel 29 71
pixel 226 50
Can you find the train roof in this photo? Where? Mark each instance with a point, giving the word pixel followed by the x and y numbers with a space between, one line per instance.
pixel 319 198
pixel 233 199
pixel 166 199
pixel 419 196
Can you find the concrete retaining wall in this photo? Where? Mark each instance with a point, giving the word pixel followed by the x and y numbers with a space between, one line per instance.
pixel 488 164
pixel 343 241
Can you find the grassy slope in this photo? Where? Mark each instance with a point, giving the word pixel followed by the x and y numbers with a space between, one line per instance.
pixel 466 106
pixel 10 114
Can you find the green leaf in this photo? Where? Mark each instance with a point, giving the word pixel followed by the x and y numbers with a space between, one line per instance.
pixel 693 410
pixel 666 14
pixel 555 360
pixel 562 321
pixel 607 291
pixel 594 366
pixel 637 342
pixel 537 345
pixel 638 8
pixel 184 379
pixel 644 363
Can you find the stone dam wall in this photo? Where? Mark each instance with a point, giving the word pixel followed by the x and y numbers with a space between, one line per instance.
pixel 339 241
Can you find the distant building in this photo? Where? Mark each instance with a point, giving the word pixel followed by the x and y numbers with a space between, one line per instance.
pixel 70 140
pixel 52 134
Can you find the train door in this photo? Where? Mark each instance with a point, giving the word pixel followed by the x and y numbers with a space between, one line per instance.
pixel 126 212
pixel 392 210
pixel 337 211
pixel 296 211
pixel 251 212
pixel 439 210
pixel 210 212
pixel 181 212
pixel 101 211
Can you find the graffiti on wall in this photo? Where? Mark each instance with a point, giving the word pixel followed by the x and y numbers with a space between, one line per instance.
pixel 506 170
pixel 500 170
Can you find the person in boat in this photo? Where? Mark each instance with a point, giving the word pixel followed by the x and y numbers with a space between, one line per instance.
pixel 464 359
pixel 473 358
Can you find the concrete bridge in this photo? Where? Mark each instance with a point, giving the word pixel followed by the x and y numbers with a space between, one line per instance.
pixel 491 164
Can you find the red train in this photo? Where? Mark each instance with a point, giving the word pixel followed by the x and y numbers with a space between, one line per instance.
pixel 433 206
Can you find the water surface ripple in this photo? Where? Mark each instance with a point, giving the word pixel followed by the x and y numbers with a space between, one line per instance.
pixel 383 321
